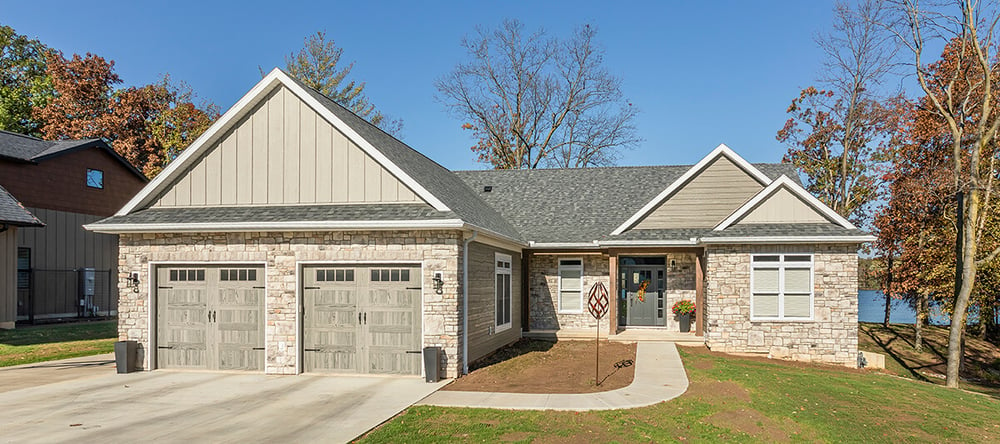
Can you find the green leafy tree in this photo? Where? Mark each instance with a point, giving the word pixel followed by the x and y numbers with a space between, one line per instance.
pixel 318 65
pixel 23 81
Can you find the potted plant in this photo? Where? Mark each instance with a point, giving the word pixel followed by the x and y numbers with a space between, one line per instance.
pixel 683 309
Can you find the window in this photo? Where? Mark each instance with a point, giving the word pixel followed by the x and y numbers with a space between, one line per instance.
pixel 335 275
pixel 781 287
pixel 390 275
pixel 238 274
pixel 187 275
pixel 502 292
pixel 571 285
pixel 95 178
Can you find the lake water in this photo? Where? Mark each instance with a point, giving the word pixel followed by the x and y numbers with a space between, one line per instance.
pixel 871 308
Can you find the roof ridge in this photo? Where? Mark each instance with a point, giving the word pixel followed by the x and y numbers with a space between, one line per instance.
pixel 611 167
pixel 26 136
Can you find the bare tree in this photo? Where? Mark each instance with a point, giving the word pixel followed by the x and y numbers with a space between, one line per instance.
pixel 835 129
pixel 535 101
pixel 961 92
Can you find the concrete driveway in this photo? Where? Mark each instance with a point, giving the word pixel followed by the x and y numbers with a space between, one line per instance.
pixel 172 406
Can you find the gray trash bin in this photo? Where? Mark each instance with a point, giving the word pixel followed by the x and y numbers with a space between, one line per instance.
pixel 125 354
pixel 432 362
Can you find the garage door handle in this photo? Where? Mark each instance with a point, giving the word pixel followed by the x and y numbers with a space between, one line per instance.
pixel 413 352
pixel 309 288
pixel 366 318
pixel 413 288
pixel 258 288
pixel 359 318
pixel 168 347
pixel 310 349
pixel 258 348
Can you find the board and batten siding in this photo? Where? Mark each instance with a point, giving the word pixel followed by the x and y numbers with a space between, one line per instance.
pixel 705 200
pixel 783 207
pixel 483 340
pixel 8 277
pixel 58 250
pixel 284 153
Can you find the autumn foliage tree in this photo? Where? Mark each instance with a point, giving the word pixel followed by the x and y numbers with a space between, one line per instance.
pixel 957 124
pixel 148 125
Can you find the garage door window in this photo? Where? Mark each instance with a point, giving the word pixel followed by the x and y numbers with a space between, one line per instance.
pixel 502 292
pixel 187 275
pixel 335 275
pixel 390 275
pixel 238 274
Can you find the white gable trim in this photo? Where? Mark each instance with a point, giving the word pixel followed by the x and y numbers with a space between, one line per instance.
pixel 795 189
pixel 721 150
pixel 275 78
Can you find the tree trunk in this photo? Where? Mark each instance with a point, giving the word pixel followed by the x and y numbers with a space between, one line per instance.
pixel 966 266
pixel 888 292
pixel 921 320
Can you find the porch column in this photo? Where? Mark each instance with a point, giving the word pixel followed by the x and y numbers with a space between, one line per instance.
pixel 526 290
pixel 613 289
pixel 699 287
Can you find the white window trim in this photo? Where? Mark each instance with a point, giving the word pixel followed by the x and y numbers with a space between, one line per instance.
pixel 560 290
pixel 781 286
pixel 497 257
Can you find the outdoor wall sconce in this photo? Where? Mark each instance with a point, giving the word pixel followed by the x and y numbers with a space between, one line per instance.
pixel 438 283
pixel 133 281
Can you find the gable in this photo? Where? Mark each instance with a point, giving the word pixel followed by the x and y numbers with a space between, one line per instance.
pixel 783 207
pixel 282 152
pixel 712 194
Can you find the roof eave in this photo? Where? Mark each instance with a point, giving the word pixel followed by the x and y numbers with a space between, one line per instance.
pixel 848 239
pixel 274 226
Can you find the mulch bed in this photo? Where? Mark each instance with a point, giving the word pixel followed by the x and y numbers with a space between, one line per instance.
pixel 536 366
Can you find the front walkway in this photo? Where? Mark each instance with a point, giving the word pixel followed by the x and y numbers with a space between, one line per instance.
pixel 659 376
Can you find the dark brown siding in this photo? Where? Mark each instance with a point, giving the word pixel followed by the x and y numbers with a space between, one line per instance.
pixel 482 304
pixel 60 183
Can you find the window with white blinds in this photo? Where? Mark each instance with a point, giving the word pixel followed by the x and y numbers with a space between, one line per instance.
pixel 781 287
pixel 571 285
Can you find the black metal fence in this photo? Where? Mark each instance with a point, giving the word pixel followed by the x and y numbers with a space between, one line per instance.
pixel 52 295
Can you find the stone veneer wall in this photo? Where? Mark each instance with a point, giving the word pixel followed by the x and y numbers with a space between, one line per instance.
pixel 832 335
pixel 544 292
pixel 681 277
pixel 438 251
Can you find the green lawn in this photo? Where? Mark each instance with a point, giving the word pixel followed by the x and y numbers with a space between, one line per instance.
pixel 735 399
pixel 25 345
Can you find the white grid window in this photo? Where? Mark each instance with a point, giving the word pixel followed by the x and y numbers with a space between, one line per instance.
pixel 571 285
pixel 781 287
pixel 502 292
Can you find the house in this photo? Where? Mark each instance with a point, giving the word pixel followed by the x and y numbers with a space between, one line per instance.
pixel 63 270
pixel 293 236
pixel 13 215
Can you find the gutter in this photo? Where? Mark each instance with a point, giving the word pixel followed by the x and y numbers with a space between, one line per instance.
pixel 272 226
pixel 787 239
pixel 465 302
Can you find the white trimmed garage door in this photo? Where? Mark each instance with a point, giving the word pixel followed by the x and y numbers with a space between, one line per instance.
pixel 361 319
pixel 210 317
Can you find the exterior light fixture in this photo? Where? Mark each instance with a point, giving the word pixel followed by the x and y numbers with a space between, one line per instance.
pixel 438 283
pixel 133 281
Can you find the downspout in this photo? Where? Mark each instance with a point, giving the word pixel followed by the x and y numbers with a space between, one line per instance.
pixel 465 302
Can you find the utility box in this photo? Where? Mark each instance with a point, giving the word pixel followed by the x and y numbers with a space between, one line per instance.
pixel 125 356
pixel 87 278
pixel 432 363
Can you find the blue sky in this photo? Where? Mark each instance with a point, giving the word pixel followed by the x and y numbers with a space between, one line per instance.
pixel 702 73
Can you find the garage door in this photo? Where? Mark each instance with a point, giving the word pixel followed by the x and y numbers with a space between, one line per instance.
pixel 361 319
pixel 210 317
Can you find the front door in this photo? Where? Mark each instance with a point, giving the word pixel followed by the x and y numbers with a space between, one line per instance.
pixel 642 300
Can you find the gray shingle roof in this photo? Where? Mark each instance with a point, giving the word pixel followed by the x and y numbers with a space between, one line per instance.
pixel 298 213
pixel 13 213
pixel 32 149
pixel 579 205
pixel 783 230
pixel 438 180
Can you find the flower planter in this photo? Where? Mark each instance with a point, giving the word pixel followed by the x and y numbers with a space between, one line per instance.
pixel 685 320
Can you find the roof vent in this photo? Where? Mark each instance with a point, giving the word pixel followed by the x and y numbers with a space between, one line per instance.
pixel 488 189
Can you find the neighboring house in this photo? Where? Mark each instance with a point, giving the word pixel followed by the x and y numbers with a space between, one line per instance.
pixel 12 216
pixel 64 270
pixel 293 236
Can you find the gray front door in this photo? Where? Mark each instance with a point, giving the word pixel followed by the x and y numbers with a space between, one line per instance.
pixel 643 309
pixel 362 319
pixel 210 317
